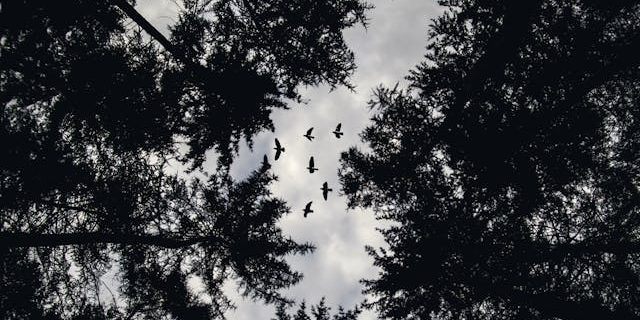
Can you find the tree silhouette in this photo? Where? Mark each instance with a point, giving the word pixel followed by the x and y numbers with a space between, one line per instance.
pixel 509 167
pixel 318 312
pixel 99 111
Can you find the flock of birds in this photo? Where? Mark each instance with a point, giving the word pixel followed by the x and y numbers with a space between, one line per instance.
pixel 280 149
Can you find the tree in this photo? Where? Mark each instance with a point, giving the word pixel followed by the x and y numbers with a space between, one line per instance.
pixel 96 109
pixel 509 167
pixel 318 312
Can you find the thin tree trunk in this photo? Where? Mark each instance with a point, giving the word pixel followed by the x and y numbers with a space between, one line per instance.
pixel 132 13
pixel 193 66
pixel 22 239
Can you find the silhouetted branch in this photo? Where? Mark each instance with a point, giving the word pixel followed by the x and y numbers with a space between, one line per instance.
pixel 196 68
pixel 132 13
pixel 68 207
pixel 625 60
pixel 23 239
pixel 583 43
pixel 573 249
pixel 503 47
pixel 499 51
pixel 552 306
pixel 252 13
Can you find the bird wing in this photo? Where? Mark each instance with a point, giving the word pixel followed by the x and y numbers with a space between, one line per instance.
pixel 309 131
pixel 338 127
pixel 277 143
pixel 311 162
pixel 308 207
pixel 324 193
pixel 278 152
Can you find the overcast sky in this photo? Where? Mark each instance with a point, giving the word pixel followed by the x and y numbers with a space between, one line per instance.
pixel 393 43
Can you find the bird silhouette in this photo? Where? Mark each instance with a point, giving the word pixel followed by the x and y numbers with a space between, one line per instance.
pixel 307 209
pixel 325 190
pixel 311 166
pixel 337 131
pixel 279 149
pixel 308 134
pixel 265 163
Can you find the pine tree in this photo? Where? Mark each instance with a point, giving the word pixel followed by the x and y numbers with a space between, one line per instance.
pixel 319 311
pixel 97 109
pixel 509 166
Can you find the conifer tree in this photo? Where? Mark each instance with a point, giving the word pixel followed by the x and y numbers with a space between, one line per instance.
pixel 509 167
pixel 98 113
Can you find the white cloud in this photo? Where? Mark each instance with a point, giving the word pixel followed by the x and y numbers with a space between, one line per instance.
pixel 159 13
pixel 393 44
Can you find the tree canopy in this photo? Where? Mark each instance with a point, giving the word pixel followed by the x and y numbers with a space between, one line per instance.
pixel 96 110
pixel 509 167
pixel 318 312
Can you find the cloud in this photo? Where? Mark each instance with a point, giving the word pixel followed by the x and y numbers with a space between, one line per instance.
pixel 393 44
pixel 160 14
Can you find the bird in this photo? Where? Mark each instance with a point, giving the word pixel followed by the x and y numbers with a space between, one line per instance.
pixel 308 134
pixel 310 167
pixel 325 190
pixel 279 149
pixel 307 209
pixel 265 163
pixel 337 131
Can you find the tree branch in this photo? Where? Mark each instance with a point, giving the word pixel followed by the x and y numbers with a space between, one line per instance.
pixel 23 239
pixel 67 207
pixel 195 67
pixel 501 49
pixel 626 59
pixel 553 306
pixel 567 249
pixel 134 15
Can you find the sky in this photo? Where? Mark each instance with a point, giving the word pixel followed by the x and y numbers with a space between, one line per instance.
pixel 393 43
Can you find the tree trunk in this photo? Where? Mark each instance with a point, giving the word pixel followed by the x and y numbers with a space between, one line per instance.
pixel 22 239
pixel 132 13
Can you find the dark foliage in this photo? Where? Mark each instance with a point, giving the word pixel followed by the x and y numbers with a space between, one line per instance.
pixel 509 168
pixel 318 312
pixel 95 108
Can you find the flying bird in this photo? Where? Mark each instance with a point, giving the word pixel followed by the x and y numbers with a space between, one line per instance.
pixel 307 209
pixel 265 163
pixel 279 149
pixel 311 167
pixel 325 190
pixel 308 134
pixel 337 131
